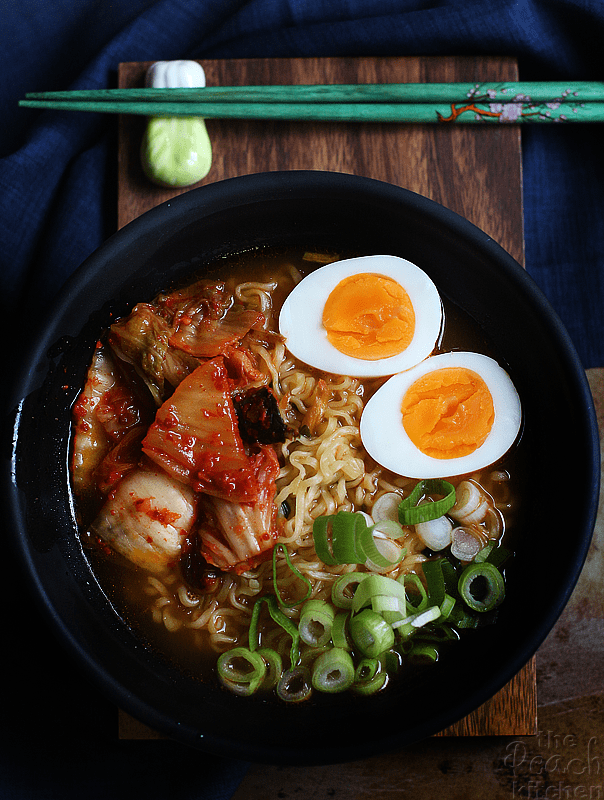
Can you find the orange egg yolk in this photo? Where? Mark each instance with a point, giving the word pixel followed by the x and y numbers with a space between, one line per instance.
pixel 448 413
pixel 369 316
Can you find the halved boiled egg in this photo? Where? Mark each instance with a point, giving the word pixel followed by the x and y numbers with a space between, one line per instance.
pixel 451 414
pixel 365 317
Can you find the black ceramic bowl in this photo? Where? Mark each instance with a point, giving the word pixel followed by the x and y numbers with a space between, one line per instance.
pixel 335 210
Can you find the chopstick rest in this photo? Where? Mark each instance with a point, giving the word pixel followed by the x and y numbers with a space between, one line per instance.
pixel 176 151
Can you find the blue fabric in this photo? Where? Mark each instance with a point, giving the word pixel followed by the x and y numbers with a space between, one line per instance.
pixel 56 208
pixel 53 164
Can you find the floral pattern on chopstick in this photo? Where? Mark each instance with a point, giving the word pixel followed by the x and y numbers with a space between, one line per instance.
pixel 489 106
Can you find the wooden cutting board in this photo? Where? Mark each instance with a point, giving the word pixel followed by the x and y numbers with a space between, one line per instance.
pixel 474 170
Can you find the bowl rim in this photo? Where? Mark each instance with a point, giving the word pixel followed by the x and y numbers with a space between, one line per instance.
pixel 247 189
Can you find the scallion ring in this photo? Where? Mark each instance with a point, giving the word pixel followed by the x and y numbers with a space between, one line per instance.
pixel 413 580
pixel 339 631
pixel 370 676
pixel 241 670
pixel 481 586
pixel 366 669
pixel 371 686
pixel 441 579
pixel 295 685
pixel 404 629
pixel 385 595
pixel 429 615
pixel 335 538
pixel 316 620
pixel 409 513
pixel 378 545
pixel 344 588
pixel 494 554
pixel 274 666
pixel 333 671
pixel 447 606
pixel 392 661
pixel 463 618
pixel 371 633
pixel 423 654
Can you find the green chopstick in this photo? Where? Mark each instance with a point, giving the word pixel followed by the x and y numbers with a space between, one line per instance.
pixel 395 102
pixel 345 112
pixel 506 91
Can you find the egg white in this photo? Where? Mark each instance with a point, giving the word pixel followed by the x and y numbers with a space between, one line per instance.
pixel 300 320
pixel 387 442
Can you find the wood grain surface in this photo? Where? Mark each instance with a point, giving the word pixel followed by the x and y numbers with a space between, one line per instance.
pixel 473 170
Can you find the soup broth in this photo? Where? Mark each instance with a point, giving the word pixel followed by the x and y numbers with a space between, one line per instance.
pixel 199 604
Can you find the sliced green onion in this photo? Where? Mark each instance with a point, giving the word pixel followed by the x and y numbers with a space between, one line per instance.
pixel 345 538
pixel 344 588
pixel 322 531
pixel 463 618
pixel 423 654
pixel 346 526
pixel 279 617
pixel 274 666
pixel 435 533
pixel 484 554
pixel 447 606
pixel 339 634
pixel 390 528
pixel 466 543
pixel 336 535
pixel 371 686
pixel 316 620
pixel 435 580
pixel 411 579
pixel 386 506
pixel 450 576
pixel 441 579
pixel 494 554
pixel 386 605
pixel 409 513
pixel 379 586
pixel 308 655
pixel 482 587
pixel 241 670
pixel 366 669
pixel 333 671
pixel 439 633
pixel 404 629
pixel 381 552
pixel 392 660
pixel 371 633
pixel 297 573
pixel 295 685
pixel 429 615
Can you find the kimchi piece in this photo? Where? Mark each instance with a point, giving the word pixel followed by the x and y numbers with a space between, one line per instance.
pixel 142 339
pixel 105 415
pixel 205 320
pixel 195 438
pixel 238 536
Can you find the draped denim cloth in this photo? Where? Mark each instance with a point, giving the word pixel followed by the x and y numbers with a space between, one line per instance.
pixel 55 178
